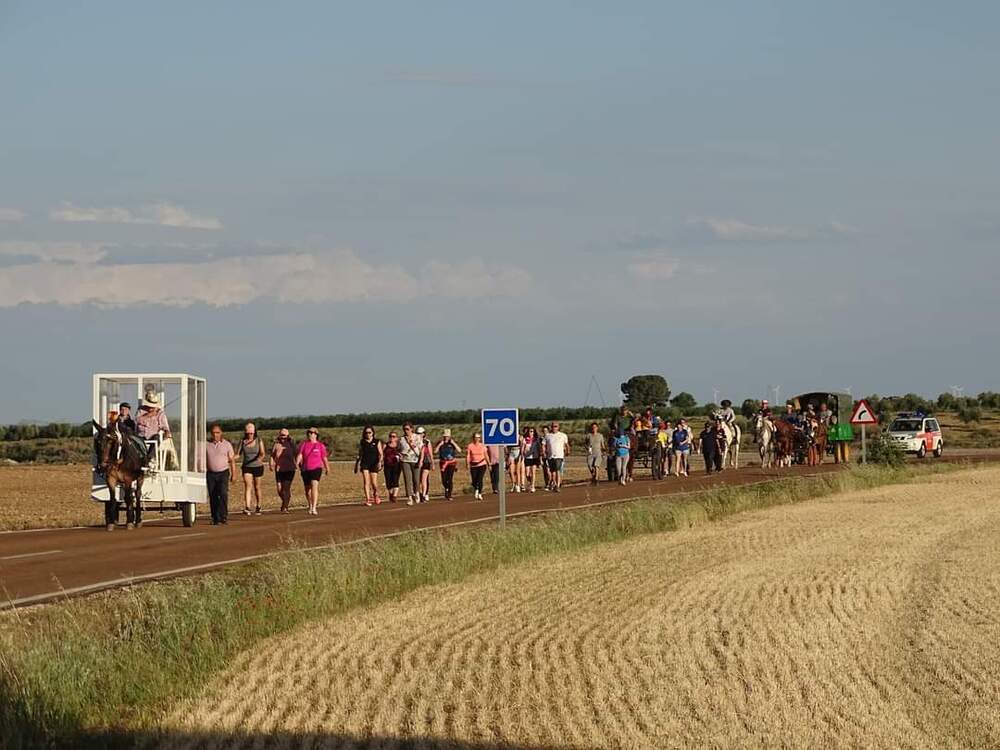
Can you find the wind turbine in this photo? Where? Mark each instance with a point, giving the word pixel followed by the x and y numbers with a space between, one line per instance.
pixel 957 391
pixel 776 389
pixel 715 395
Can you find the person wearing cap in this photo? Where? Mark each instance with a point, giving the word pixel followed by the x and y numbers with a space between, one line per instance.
pixel 251 452
pixel 447 451
pixel 282 463
pixel 556 449
pixel 728 414
pixel 410 445
pixel 426 465
pixel 313 462
pixel 765 409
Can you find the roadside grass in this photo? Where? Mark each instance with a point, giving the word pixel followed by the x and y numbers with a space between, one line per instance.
pixel 76 673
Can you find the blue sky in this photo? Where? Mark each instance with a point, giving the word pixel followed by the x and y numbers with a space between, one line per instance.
pixel 329 207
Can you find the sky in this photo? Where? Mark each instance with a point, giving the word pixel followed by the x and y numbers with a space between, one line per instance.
pixel 328 207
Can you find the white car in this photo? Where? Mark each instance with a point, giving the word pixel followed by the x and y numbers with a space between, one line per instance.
pixel 916 433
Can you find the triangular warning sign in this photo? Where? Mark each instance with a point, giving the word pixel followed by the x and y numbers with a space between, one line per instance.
pixel 863 414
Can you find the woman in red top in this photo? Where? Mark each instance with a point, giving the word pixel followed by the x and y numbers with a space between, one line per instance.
pixel 478 461
pixel 282 461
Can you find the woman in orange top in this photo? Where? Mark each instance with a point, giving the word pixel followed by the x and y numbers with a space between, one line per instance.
pixel 478 461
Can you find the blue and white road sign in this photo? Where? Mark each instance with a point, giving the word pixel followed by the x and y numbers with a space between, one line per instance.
pixel 500 426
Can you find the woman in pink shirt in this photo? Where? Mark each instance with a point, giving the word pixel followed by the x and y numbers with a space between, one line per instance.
pixel 313 463
pixel 478 461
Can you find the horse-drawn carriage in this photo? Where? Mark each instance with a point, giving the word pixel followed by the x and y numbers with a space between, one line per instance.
pixel 171 474
pixel 839 432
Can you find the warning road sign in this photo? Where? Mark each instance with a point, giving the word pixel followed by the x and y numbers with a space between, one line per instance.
pixel 863 414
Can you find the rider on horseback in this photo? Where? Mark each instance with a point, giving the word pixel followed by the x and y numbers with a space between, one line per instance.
pixel 727 414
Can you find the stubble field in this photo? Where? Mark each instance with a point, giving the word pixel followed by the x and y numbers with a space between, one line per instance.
pixel 859 620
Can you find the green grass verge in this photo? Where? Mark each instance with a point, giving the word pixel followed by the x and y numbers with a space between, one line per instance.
pixel 86 667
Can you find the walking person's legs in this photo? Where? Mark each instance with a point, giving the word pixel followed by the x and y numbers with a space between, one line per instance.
pixel 621 466
pixel 247 492
pixel 256 493
pixel 495 478
pixel 366 486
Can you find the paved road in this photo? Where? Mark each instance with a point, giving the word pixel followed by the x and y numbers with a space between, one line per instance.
pixel 41 565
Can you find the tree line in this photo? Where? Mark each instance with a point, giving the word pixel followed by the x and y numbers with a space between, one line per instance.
pixel 639 392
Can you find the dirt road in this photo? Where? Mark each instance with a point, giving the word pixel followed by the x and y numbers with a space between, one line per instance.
pixel 39 565
pixel 866 619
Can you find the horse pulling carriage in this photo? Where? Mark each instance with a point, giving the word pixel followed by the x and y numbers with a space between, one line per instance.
pixel 165 471
pixel 778 441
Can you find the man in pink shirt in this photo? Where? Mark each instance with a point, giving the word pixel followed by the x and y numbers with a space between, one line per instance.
pixel 220 468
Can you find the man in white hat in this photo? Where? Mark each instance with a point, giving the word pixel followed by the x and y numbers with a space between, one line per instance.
pixel 151 420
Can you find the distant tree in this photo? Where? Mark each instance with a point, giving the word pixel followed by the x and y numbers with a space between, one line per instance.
pixel 946 402
pixel 709 409
pixel 646 390
pixel 684 401
pixel 749 407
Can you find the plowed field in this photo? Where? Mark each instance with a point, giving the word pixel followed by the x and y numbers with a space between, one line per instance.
pixel 868 619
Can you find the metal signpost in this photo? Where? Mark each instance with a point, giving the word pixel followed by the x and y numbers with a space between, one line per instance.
pixel 500 428
pixel 864 416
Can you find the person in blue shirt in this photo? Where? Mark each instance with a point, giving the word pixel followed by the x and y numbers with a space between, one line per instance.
pixel 623 445
pixel 680 440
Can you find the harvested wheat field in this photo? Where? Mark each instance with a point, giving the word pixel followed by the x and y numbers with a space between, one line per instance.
pixel 867 619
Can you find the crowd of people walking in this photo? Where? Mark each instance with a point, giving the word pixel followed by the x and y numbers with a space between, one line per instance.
pixel 402 461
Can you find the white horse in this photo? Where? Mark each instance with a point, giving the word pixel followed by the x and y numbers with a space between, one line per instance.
pixel 731 450
pixel 764 429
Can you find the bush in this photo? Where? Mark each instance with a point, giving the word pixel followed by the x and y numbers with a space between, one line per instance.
pixel 881 450
pixel 970 414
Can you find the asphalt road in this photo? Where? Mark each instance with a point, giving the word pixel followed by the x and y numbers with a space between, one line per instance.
pixel 45 564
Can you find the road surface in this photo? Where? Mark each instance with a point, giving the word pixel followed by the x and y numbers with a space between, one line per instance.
pixel 41 565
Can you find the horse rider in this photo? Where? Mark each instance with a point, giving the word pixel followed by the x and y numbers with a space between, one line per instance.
pixel 620 421
pixel 151 424
pixel 765 409
pixel 728 414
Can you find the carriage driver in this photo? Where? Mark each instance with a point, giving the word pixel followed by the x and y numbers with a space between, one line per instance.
pixel 151 420
pixel 125 421
pixel 824 414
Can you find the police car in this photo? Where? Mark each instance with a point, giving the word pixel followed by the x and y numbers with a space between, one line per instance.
pixel 914 432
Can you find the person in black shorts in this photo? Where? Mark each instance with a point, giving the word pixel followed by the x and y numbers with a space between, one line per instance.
pixel 282 463
pixel 369 463
pixel 252 453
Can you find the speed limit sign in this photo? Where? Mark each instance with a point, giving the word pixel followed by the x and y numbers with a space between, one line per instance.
pixel 500 426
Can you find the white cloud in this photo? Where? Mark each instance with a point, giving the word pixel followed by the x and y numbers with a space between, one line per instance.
pixel 160 214
pixel 55 252
pixel 653 269
pixel 292 277
pixel 734 230
pixel 11 215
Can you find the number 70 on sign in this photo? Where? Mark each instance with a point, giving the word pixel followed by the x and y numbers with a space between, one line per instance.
pixel 500 426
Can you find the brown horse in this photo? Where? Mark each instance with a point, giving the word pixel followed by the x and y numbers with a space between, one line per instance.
pixel 817 449
pixel 121 461
pixel 785 436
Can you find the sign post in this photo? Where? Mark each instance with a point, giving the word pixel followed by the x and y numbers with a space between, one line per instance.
pixel 500 429
pixel 864 416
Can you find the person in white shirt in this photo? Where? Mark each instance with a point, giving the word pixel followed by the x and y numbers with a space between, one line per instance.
pixel 556 448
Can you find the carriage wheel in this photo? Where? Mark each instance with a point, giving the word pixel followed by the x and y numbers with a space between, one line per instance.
pixel 189 512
